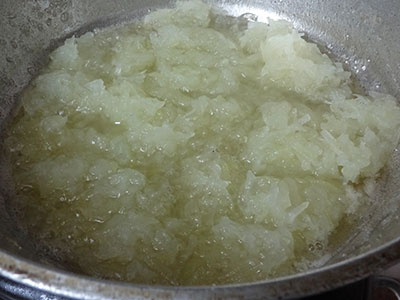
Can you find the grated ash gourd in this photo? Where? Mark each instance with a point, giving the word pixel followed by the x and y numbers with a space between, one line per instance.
pixel 185 150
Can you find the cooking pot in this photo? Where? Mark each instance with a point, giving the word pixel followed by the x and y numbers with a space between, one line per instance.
pixel 364 35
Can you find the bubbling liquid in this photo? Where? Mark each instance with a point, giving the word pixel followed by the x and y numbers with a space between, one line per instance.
pixel 187 150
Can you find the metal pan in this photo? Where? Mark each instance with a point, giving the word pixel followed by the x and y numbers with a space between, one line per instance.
pixel 365 35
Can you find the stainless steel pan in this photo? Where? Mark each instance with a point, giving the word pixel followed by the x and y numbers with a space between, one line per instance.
pixel 365 35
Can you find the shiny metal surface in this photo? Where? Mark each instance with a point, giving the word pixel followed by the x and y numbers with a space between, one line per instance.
pixel 362 34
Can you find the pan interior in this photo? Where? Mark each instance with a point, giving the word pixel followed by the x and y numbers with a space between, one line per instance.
pixel 30 35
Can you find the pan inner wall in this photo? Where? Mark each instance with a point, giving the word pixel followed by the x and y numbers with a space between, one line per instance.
pixel 28 38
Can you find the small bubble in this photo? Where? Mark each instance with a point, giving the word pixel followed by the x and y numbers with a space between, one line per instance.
pixel 319 246
pixel 11 16
pixel 64 16
pixel 26 187
pixel 31 70
pixel 14 44
pixel 250 262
